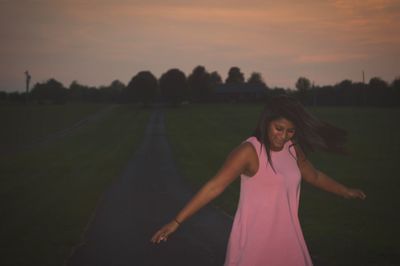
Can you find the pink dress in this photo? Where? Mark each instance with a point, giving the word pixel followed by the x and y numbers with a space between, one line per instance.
pixel 266 230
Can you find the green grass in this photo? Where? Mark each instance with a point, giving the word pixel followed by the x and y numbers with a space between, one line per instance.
pixel 338 231
pixel 49 193
pixel 203 135
pixel 21 125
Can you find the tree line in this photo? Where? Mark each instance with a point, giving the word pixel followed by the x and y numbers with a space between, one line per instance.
pixel 201 86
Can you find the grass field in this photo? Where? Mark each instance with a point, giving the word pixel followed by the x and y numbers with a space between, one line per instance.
pixel 21 125
pixel 338 231
pixel 49 193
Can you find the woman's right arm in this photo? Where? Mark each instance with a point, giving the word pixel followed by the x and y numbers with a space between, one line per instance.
pixel 238 162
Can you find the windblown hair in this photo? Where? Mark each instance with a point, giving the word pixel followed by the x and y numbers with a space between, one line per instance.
pixel 311 133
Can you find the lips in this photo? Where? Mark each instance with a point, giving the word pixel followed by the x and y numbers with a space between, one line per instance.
pixel 279 143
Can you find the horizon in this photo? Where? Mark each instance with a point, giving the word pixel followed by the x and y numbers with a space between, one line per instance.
pixel 96 42
pixel 23 90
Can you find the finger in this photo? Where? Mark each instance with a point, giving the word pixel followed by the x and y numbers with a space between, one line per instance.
pixel 155 237
pixel 163 238
pixel 361 195
pixel 159 239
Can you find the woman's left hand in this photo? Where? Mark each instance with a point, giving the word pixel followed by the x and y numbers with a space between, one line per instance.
pixel 352 193
pixel 165 232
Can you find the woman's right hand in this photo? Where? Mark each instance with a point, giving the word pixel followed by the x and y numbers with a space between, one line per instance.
pixel 165 232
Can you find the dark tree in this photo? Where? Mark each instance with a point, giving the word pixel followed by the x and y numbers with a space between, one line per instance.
pixel 173 86
pixel 278 91
pixel 303 86
pixel 256 78
pixel 16 97
pixel 50 91
pixel 77 92
pixel 235 76
pixel 215 78
pixel 93 94
pixel 3 96
pixel 395 86
pixel 357 95
pixel 378 92
pixel 113 91
pixel 343 92
pixel 200 84
pixel 117 85
pixel 143 87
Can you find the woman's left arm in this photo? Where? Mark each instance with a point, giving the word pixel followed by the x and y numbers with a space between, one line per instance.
pixel 323 181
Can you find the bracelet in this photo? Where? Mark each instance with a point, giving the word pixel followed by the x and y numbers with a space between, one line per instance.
pixel 176 221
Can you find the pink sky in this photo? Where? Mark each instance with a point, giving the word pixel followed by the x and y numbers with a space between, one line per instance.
pixel 96 42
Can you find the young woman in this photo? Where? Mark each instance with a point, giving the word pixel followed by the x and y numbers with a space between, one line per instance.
pixel 271 163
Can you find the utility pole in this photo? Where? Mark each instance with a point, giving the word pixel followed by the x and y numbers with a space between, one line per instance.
pixel 27 80
pixel 363 76
pixel 364 89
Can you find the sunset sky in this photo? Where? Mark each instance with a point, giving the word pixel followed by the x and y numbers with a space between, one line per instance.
pixel 96 42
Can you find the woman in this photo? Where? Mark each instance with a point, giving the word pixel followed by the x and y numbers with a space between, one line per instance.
pixel 271 163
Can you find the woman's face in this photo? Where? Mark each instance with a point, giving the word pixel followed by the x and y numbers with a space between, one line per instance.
pixel 279 132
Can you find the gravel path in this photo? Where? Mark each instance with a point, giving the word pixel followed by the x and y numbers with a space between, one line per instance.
pixel 149 193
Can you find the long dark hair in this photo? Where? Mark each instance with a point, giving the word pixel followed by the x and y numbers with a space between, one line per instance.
pixel 311 133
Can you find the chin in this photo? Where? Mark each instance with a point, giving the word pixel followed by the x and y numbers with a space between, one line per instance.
pixel 277 148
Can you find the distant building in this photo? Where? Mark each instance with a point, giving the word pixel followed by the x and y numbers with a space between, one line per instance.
pixel 244 92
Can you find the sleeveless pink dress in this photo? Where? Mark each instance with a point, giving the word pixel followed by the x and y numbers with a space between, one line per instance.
pixel 266 230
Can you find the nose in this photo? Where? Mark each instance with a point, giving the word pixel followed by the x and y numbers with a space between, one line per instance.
pixel 284 135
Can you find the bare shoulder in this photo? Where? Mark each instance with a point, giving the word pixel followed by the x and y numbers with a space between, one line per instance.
pixel 245 155
pixel 301 157
pixel 245 150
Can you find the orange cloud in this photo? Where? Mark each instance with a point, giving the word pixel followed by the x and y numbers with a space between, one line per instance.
pixel 330 58
pixel 357 6
pixel 282 36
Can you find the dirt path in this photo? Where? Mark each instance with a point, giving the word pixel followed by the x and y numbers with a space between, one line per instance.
pixel 148 194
